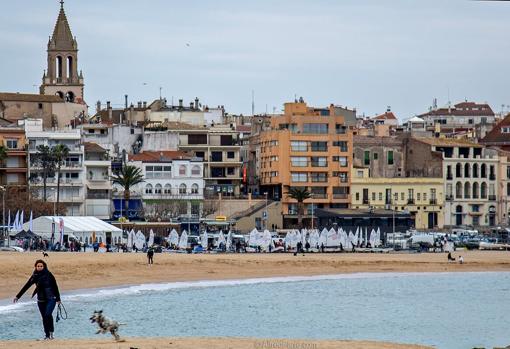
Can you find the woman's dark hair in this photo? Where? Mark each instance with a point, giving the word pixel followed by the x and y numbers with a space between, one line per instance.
pixel 42 262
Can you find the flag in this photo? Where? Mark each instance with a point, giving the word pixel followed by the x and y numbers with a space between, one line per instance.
pixel 31 223
pixel 16 221
pixel 61 226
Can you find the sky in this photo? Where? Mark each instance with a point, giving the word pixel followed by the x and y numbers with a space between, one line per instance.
pixel 363 54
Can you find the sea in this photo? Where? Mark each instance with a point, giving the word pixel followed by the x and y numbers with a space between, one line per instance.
pixel 442 310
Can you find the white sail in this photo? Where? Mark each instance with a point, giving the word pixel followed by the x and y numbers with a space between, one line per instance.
pixel 183 241
pixel 229 240
pixel 314 239
pixel 266 240
pixel 253 239
pixel 139 240
pixel 205 240
pixel 378 237
pixel 151 239
pixel 323 238
pixel 173 238
pixel 221 239
pixel 129 239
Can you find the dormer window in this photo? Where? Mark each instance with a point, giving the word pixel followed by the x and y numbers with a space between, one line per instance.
pixel 505 129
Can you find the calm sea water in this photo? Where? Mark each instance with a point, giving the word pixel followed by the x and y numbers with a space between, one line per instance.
pixel 450 310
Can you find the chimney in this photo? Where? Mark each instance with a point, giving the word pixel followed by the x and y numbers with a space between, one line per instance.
pixel 180 103
pixel 191 105
pixel 196 103
pixel 125 101
pixel 139 104
pixel 108 105
pixel 145 105
pixel 388 109
pixel 110 112
pixel 98 106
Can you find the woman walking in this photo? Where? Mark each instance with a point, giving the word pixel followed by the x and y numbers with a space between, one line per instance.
pixel 47 295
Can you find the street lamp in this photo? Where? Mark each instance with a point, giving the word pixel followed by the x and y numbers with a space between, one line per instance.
pixel 313 205
pixel 2 188
pixel 265 213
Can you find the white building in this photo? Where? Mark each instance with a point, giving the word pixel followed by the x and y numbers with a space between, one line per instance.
pixel 72 182
pixel 461 115
pixel 98 172
pixel 174 183
pixel 116 139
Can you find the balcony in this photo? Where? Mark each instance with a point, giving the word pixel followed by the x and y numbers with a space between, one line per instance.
pixel 433 201
pixel 410 201
pixel 492 197
pixel 492 177
pixel 449 197
pixel 365 201
pixel 449 176
pixel 319 196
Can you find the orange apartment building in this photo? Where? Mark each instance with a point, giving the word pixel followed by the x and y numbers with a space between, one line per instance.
pixel 311 148
pixel 13 168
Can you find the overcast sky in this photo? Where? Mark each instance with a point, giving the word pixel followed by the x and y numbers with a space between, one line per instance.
pixel 366 54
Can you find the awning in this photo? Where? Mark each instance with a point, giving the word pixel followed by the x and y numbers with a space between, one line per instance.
pixel 99 186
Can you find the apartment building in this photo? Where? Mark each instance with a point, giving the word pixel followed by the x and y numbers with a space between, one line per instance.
pixel 308 148
pixel 422 198
pixel 470 174
pixel 98 170
pixel 173 186
pixel 13 168
pixel 72 183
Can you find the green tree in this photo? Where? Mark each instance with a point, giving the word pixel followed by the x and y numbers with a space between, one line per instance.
pixel 300 195
pixel 128 177
pixel 46 161
pixel 60 154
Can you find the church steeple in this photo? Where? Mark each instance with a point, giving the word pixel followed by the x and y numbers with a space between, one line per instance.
pixel 62 76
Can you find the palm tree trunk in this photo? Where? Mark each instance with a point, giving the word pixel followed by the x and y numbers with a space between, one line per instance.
pixel 300 215
pixel 126 202
pixel 58 184
pixel 44 185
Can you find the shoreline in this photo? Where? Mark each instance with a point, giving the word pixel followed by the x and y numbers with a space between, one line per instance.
pixel 206 343
pixel 85 271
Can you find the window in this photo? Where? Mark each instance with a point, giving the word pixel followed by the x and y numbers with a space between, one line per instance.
pixel 299 161
pixel 157 189
pixel 505 129
pixel 390 157
pixel 357 196
pixel 273 158
pixel 197 139
pixel 402 196
pixel 376 156
pixel 194 188
pixel 366 160
pixel 182 170
pixel 231 171
pixel 373 196
pixel 182 189
pixel 343 161
pixel 298 146
pixel 508 172
pixel 217 156
pixel 340 129
pixel 148 189
pixel 319 161
pixel 226 140
pixel 299 177
pixel 319 146
pixel 508 189
pixel 12 143
pixel 231 155
pixel 380 196
pixel 418 197
pixel 167 189
pixel 200 154
pixel 273 174
pixel 315 128
pixel 343 177
pixel 319 177
pixel 195 170
pixel 341 144
pixel 40 105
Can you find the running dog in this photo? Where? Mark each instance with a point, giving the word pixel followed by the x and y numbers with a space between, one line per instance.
pixel 106 325
pixel 44 254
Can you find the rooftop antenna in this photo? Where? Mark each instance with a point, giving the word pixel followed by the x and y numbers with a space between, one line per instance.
pixel 252 102
pixel 160 88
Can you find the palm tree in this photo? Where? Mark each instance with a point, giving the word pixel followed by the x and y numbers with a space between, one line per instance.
pixel 300 195
pixel 3 154
pixel 60 153
pixel 128 177
pixel 45 160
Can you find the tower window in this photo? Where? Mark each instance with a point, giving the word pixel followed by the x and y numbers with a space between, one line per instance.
pixel 40 105
pixel 59 67
pixel 69 67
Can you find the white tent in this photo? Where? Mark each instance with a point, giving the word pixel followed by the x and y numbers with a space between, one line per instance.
pixel 183 241
pixel 82 227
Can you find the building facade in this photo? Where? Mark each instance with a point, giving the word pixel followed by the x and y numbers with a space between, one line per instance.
pixel 422 198
pixel 173 184
pixel 13 168
pixel 98 171
pixel 306 148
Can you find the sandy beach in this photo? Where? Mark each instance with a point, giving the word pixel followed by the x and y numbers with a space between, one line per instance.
pixel 209 343
pixel 91 270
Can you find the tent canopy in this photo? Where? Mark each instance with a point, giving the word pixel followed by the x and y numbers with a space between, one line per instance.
pixel 26 235
pixel 80 224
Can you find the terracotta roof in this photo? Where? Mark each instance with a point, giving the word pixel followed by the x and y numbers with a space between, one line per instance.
pixel 159 156
pixel 26 97
pixel 463 109
pixel 243 128
pixel 385 116
pixel 496 136
pixel 93 147
pixel 447 142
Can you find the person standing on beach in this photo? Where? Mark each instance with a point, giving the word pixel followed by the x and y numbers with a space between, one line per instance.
pixel 48 295
pixel 150 256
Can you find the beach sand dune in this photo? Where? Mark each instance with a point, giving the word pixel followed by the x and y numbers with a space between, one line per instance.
pixel 205 343
pixel 91 270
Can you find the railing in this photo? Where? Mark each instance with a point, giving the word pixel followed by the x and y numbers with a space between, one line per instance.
pixel 449 197
pixel 492 197
pixel 433 201
pixel 492 177
pixel 319 196
pixel 410 201
pixel 97 196
pixel 340 196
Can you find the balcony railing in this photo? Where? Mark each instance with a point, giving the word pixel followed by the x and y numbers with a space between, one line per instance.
pixel 492 177
pixel 433 201
pixel 410 201
pixel 319 196
pixel 492 197
pixel 365 201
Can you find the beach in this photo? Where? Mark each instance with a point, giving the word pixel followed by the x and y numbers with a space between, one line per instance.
pixel 94 270
pixel 209 343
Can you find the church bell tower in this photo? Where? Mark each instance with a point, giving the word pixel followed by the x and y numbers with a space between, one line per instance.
pixel 61 77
